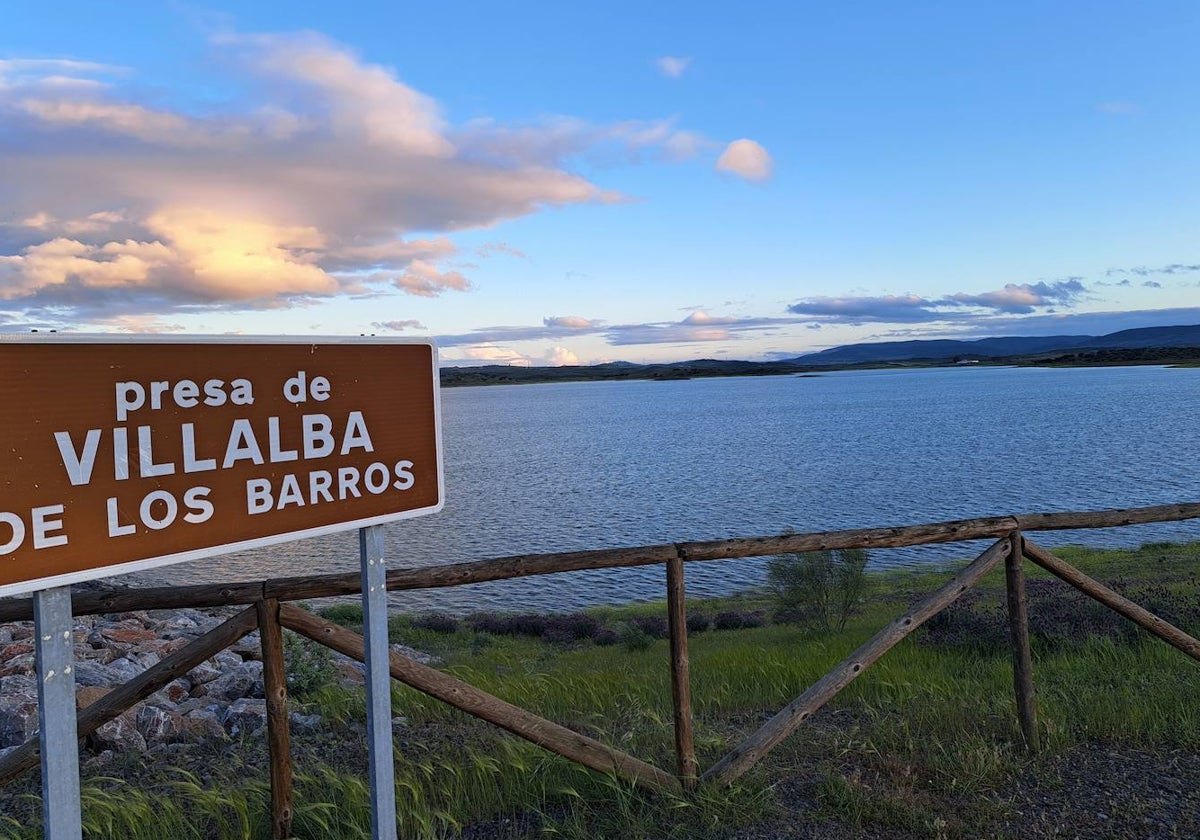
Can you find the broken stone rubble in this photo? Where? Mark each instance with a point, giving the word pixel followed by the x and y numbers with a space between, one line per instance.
pixel 221 698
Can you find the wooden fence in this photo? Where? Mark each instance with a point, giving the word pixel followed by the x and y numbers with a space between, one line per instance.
pixel 268 611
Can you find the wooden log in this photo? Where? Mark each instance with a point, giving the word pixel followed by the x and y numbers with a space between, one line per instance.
pixel 547 734
pixel 144 598
pixel 457 574
pixel 139 688
pixel 681 687
pixel 1115 518
pixel 937 532
pixel 744 756
pixel 1140 616
pixel 278 732
pixel 1018 632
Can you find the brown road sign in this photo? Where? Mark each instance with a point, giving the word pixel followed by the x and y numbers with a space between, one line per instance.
pixel 124 455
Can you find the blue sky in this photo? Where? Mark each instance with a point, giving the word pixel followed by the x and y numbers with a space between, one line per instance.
pixel 542 183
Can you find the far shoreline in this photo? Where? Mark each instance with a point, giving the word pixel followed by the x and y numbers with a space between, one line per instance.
pixel 484 375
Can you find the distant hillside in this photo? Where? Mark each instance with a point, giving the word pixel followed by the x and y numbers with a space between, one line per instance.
pixel 1008 346
pixel 1151 345
pixel 611 371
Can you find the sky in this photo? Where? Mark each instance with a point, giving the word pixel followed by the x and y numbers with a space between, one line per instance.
pixel 564 183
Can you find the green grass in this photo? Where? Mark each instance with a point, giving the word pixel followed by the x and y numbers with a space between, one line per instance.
pixel 911 745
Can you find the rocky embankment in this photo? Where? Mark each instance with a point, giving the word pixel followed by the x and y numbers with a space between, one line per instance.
pixel 222 698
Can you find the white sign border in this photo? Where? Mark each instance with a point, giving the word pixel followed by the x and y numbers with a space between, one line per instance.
pixel 27 586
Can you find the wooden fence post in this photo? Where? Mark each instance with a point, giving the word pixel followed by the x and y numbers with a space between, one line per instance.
pixel 681 689
pixel 1018 632
pixel 278 734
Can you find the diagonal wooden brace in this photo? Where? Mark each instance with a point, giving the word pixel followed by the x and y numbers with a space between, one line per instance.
pixel 1140 616
pixel 744 756
pixel 139 688
pixel 480 704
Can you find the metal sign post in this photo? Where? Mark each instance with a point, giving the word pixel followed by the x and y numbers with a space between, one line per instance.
pixel 59 739
pixel 379 684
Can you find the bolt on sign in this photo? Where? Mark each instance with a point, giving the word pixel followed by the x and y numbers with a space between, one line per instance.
pixel 117 456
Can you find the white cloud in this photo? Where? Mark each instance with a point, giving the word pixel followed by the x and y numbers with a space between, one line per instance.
pixel 490 354
pixel 746 159
pixel 673 67
pixel 142 324
pixel 559 356
pixel 133 121
pixel 702 318
pixel 362 101
pixel 552 141
pixel 571 322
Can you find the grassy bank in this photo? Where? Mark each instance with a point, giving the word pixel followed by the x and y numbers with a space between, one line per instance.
pixel 924 744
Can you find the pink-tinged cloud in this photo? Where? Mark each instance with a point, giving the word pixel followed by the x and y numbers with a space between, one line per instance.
pixel 398 326
pixel 702 318
pixel 571 322
pixel 310 190
pixel 424 279
pixel 746 159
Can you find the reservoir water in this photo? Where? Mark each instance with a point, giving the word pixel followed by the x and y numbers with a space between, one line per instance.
pixel 561 467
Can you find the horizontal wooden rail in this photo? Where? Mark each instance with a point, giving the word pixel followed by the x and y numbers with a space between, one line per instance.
pixel 744 756
pixel 128 694
pixel 524 565
pixel 465 697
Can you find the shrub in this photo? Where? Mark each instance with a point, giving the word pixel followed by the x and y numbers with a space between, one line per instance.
pixel 654 626
pixel 635 638
pixel 309 666
pixel 571 627
pixel 698 622
pixel 551 628
pixel 437 622
pixel 522 624
pixel 1060 617
pixel 605 636
pixel 738 620
pixel 821 588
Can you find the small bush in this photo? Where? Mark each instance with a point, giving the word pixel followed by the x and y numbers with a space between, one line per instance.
pixel 572 627
pixel 698 622
pixel 517 624
pixel 634 638
pixel 1060 617
pixel 821 588
pixel 605 636
pixel 436 622
pixel 309 666
pixel 739 620
pixel 654 626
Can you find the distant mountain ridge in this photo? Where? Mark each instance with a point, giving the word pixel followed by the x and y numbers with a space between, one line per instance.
pixel 1149 345
pixel 987 348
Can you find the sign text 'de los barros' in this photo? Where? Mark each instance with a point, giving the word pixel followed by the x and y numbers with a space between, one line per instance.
pixel 117 456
